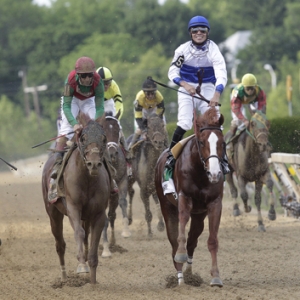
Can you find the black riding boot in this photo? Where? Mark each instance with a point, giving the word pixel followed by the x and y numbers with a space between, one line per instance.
pixel 170 162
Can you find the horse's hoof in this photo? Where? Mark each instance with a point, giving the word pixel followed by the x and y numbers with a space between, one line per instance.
pixel 216 281
pixel 236 212
pixel 83 268
pixel 161 226
pixel 248 209
pixel 261 228
pixel 106 253
pixel 126 233
pixel 272 216
pixel 181 258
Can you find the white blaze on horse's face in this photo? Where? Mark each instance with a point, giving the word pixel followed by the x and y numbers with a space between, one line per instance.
pixel 214 165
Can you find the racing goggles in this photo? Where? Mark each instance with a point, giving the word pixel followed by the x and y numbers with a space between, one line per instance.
pixel 201 29
pixel 249 88
pixel 107 82
pixel 85 75
pixel 150 93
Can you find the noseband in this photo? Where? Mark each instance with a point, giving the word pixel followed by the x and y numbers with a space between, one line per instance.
pixel 204 160
pixel 93 134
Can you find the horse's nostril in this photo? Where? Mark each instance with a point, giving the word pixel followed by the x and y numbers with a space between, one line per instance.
pixel 89 164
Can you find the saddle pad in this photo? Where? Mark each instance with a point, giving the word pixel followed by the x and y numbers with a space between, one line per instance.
pixel 177 149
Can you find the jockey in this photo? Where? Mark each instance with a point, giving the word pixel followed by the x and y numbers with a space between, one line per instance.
pixel 247 92
pixel 148 100
pixel 198 54
pixel 84 92
pixel 113 102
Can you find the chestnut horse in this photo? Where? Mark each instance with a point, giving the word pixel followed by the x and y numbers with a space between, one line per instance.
pixel 87 192
pixel 250 164
pixel 112 130
pixel 198 180
pixel 146 153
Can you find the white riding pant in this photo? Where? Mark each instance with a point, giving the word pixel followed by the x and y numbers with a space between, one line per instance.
pixel 109 105
pixel 185 104
pixel 145 114
pixel 237 122
pixel 87 106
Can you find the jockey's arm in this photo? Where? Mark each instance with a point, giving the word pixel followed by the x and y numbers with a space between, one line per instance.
pixel 262 101
pixel 99 99
pixel 67 100
pixel 236 105
pixel 117 96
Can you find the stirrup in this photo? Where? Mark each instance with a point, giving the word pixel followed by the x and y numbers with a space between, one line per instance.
pixel 169 188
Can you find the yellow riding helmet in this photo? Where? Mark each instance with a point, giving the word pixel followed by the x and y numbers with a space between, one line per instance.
pixel 249 80
pixel 105 73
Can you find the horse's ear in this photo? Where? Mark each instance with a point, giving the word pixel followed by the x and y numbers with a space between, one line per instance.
pixel 221 120
pixel 83 118
pixel 118 114
pixel 252 109
pixel 101 120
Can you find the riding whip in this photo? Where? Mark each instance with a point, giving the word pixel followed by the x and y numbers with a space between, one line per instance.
pixel 9 164
pixel 168 87
pixel 55 138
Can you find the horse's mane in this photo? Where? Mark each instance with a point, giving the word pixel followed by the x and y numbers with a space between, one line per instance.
pixel 209 119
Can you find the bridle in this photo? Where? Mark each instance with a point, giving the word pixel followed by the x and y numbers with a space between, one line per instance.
pixel 113 145
pixel 93 133
pixel 204 160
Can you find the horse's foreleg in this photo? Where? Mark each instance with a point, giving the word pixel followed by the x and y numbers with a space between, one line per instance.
pixel 56 222
pixel 214 217
pixel 270 184
pixel 106 252
pixel 244 195
pixel 160 224
pixel 258 188
pixel 86 227
pixel 196 229
pixel 96 229
pixel 148 215
pixel 79 235
pixel 184 211
pixel 123 205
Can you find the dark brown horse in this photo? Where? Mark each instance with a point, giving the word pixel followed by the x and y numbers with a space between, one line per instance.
pixel 199 182
pixel 146 153
pixel 87 191
pixel 112 129
pixel 250 164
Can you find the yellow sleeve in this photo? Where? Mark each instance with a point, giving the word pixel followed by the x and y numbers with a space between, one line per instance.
pixel 160 106
pixel 139 105
pixel 115 93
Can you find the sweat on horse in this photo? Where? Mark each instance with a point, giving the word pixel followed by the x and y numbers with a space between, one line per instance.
pixel 198 180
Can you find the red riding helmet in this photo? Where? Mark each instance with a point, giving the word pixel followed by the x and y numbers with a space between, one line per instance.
pixel 85 65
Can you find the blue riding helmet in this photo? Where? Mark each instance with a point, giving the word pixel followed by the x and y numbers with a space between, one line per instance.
pixel 198 21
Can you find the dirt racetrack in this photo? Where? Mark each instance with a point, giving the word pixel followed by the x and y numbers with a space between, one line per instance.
pixel 253 265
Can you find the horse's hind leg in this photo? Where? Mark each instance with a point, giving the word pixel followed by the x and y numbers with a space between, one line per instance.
pixel 160 224
pixel 258 189
pixel 56 222
pixel 113 204
pixel 270 184
pixel 106 252
pixel 234 194
pixel 131 194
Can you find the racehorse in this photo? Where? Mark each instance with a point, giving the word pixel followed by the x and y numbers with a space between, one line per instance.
pixel 146 153
pixel 199 182
pixel 112 129
pixel 250 164
pixel 87 192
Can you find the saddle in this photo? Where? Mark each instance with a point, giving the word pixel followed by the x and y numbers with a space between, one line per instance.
pixel 177 149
